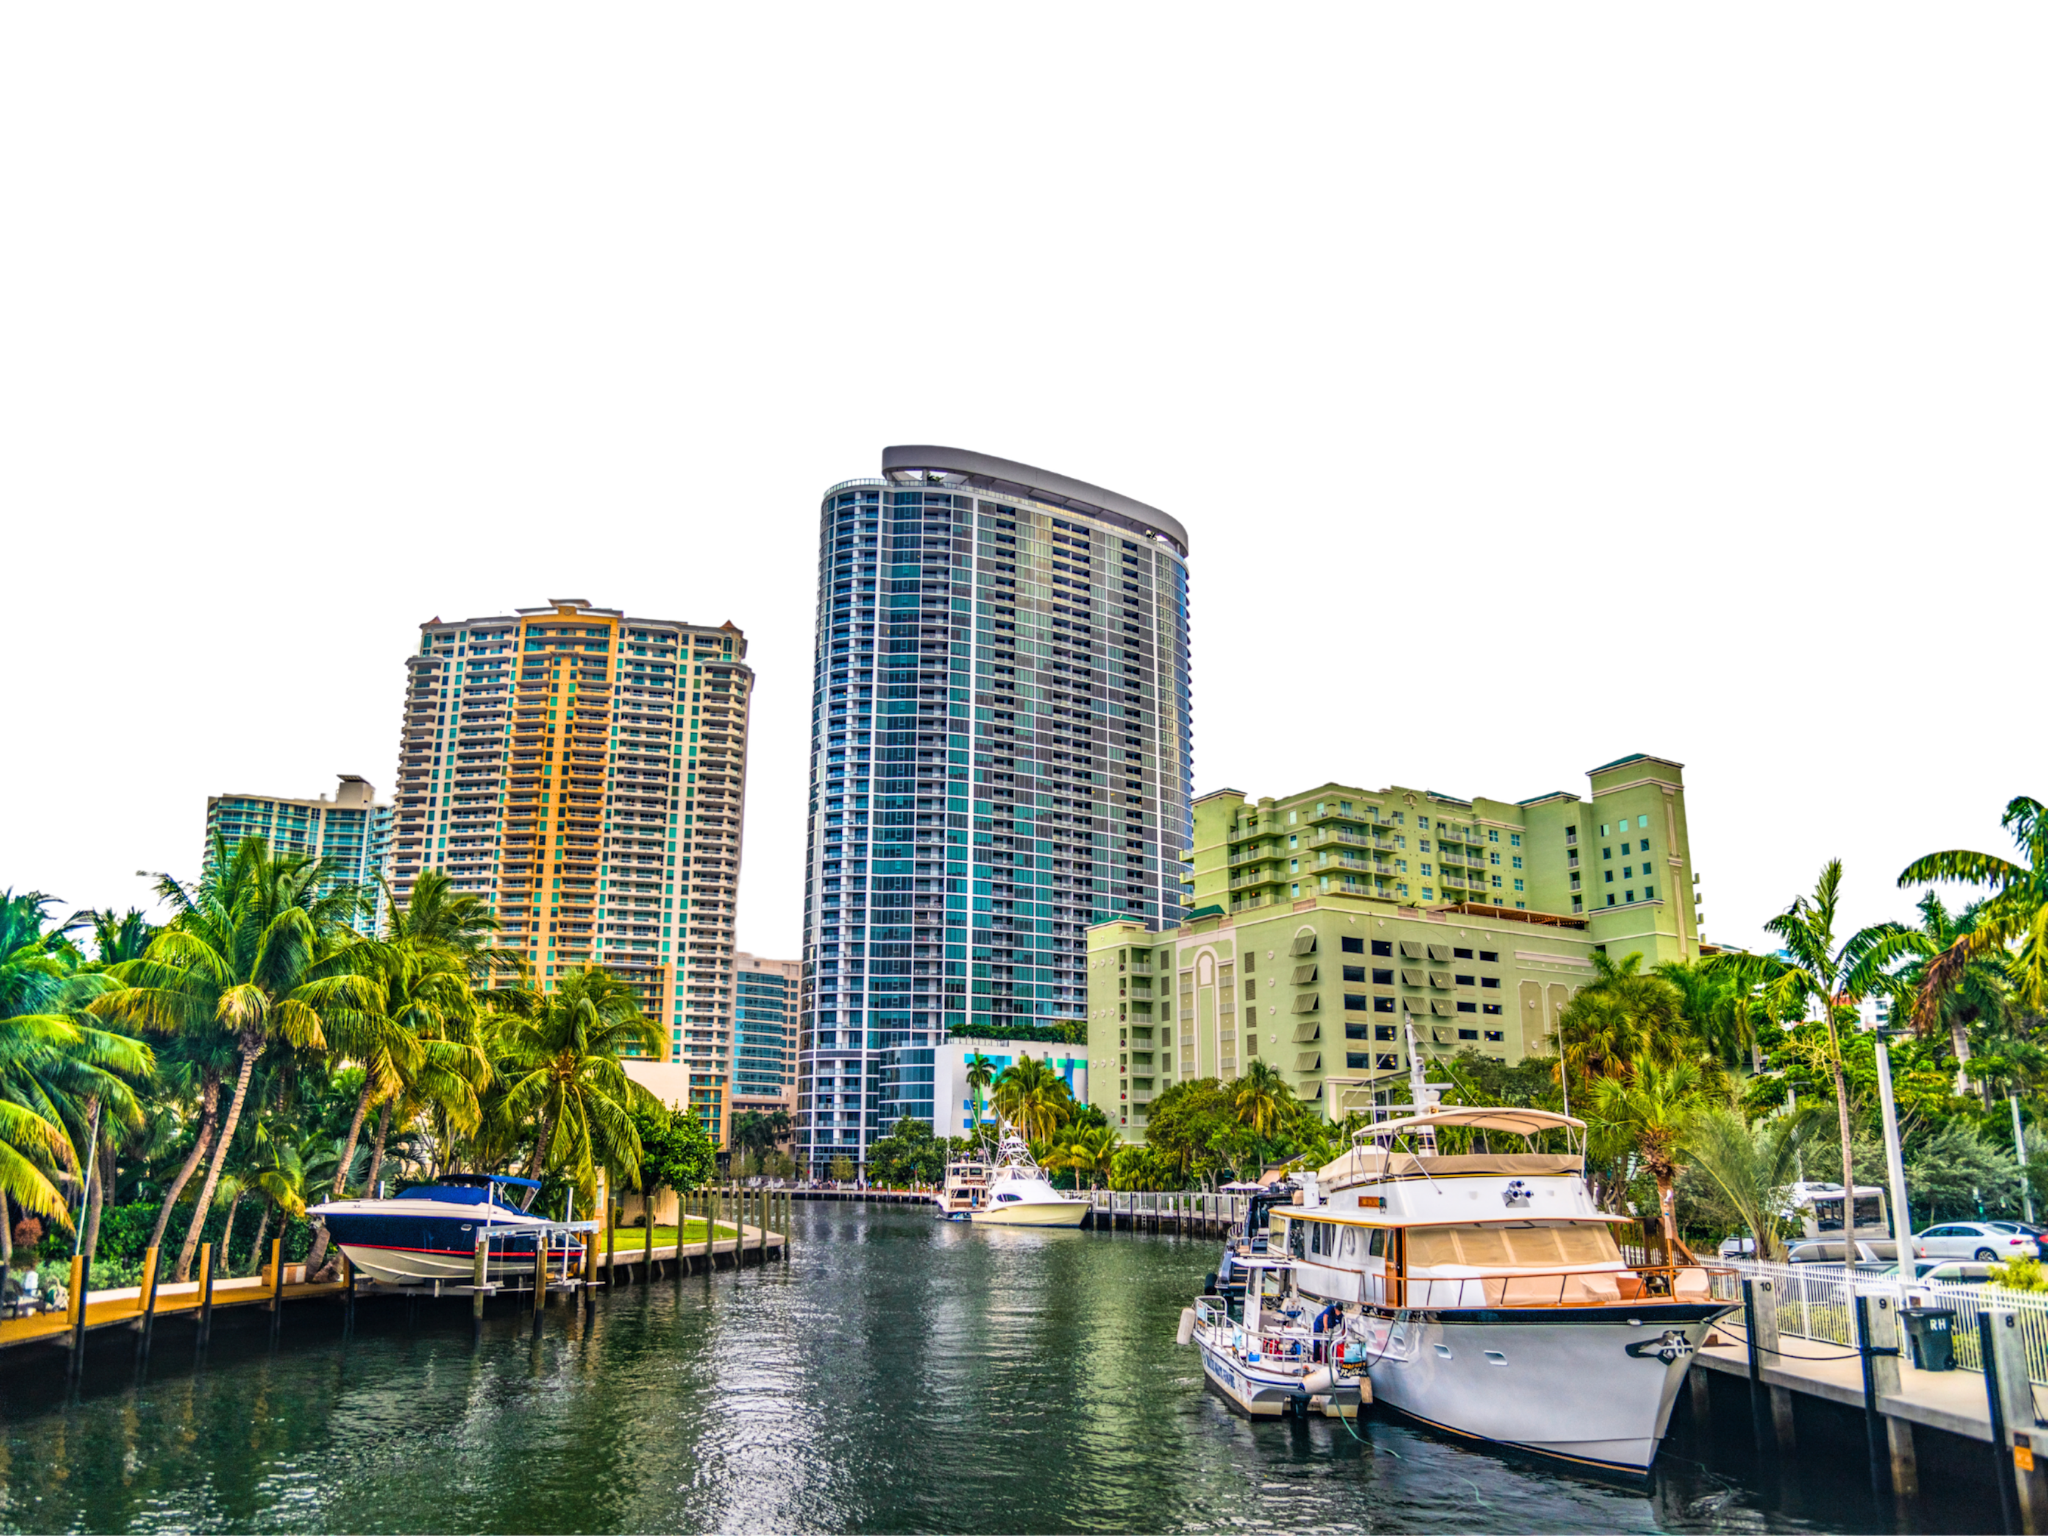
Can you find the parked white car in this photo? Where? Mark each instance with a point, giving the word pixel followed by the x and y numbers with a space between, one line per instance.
pixel 1983 1241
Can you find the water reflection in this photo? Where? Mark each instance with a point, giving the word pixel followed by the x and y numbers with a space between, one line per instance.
pixel 902 1374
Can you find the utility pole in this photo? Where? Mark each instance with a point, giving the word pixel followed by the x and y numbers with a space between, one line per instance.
pixel 2019 1146
pixel 1895 1165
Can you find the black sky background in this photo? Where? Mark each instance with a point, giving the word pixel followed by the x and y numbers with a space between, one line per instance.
pixel 1471 578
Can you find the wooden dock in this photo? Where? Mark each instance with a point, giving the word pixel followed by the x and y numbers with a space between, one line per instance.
pixel 1190 1214
pixel 1873 1379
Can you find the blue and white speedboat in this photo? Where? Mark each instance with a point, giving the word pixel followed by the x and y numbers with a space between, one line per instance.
pixel 430 1231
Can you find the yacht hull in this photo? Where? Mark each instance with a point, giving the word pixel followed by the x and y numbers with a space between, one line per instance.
pixel 408 1247
pixel 1052 1213
pixel 1593 1387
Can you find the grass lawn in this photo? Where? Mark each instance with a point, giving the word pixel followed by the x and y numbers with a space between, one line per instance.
pixel 634 1239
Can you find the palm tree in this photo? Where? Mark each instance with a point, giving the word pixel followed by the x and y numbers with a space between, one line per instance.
pixel 980 1073
pixel 1718 1009
pixel 1034 1097
pixel 2014 917
pixel 1973 991
pixel 557 1055
pixel 1813 972
pixel 1750 1165
pixel 1652 1107
pixel 254 951
pixel 1261 1096
pixel 1089 1149
pixel 274 1171
pixel 65 1083
pixel 422 1037
pixel 1620 1018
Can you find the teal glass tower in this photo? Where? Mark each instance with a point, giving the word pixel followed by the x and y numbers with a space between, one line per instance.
pixel 1000 757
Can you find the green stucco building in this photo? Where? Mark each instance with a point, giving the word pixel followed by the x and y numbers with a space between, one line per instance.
pixel 1323 924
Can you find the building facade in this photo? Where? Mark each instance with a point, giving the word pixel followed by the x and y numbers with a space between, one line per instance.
pixel 1000 756
pixel 585 772
pixel 352 831
pixel 1327 926
pixel 764 1034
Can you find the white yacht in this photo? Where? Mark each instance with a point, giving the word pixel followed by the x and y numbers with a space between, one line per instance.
pixel 1019 1195
pixel 1489 1297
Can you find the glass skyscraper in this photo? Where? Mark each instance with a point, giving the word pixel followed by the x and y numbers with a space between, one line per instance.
pixel 1000 757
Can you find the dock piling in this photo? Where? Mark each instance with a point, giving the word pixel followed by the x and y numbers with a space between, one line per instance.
pixel 144 1337
pixel 2002 1468
pixel 81 1280
pixel 276 1288
pixel 540 1281
pixel 1873 1422
pixel 205 1335
pixel 1769 1349
pixel 1757 1412
pixel 2012 1410
pixel 479 1272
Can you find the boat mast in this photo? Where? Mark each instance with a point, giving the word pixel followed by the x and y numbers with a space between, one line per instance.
pixel 1422 1095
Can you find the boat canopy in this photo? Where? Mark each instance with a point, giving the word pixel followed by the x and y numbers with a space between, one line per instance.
pixel 1480 1117
pixel 483 1179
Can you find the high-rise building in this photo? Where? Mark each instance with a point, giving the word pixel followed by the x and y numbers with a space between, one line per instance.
pixel 1326 925
pixel 352 830
pixel 1000 756
pixel 764 1033
pixel 585 772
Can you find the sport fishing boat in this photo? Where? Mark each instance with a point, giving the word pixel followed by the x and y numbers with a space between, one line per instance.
pixel 429 1233
pixel 965 1188
pixel 1268 1355
pixel 1020 1195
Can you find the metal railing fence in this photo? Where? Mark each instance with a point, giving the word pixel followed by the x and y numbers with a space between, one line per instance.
pixel 1817 1302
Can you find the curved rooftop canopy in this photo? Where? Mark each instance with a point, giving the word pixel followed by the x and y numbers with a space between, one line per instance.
pixel 924 464
pixel 1480 1117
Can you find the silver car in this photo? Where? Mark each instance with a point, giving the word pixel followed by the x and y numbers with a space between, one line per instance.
pixel 1983 1241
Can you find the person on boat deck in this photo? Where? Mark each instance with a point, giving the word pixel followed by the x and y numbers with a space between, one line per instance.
pixel 1329 1318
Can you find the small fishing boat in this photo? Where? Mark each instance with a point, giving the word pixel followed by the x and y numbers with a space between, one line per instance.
pixel 429 1233
pixel 1268 1357
pixel 1020 1195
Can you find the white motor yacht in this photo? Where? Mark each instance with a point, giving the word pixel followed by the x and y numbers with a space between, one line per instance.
pixel 1488 1295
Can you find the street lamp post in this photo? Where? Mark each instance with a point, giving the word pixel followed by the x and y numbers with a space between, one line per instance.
pixel 1895 1166
pixel 2019 1146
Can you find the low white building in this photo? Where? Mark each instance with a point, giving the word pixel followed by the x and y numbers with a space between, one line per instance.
pixel 952 1111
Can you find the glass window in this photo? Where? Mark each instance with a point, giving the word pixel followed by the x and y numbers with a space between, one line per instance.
pixel 1514 839
pixel 1642 821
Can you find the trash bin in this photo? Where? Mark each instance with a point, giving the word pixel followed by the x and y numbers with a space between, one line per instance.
pixel 1931 1331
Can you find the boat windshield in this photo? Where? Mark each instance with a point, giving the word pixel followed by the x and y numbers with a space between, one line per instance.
pixel 1516 1245
pixel 448 1194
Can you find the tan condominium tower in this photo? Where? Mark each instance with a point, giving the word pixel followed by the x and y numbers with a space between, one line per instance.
pixel 585 772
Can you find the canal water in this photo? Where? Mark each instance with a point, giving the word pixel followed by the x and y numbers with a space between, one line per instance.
pixel 901 1374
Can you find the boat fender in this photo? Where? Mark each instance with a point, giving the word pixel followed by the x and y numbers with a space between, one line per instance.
pixel 1319 1381
pixel 1187 1326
